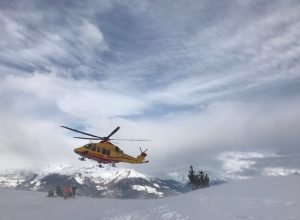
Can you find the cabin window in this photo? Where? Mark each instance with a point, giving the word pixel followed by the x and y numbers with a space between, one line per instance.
pixel 93 148
pixel 117 149
pixel 103 151
pixel 99 150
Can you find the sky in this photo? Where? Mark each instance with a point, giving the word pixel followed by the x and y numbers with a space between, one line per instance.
pixel 214 84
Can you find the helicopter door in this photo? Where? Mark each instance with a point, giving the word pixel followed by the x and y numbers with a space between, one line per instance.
pixel 99 150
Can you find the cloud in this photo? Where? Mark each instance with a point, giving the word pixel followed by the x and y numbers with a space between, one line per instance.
pixel 280 171
pixel 92 36
pixel 83 99
pixel 244 165
pixel 40 103
pixel 237 164
pixel 44 41
pixel 237 161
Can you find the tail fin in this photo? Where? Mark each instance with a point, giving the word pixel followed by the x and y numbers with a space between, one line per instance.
pixel 141 157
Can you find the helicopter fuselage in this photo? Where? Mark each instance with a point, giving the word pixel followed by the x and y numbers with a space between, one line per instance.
pixel 106 152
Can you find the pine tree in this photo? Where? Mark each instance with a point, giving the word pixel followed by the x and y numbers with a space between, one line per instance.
pixel 206 180
pixel 198 180
pixel 192 176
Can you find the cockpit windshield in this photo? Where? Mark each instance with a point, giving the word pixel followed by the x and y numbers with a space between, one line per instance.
pixel 88 146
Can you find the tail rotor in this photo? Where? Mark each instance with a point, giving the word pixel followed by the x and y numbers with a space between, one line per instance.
pixel 143 153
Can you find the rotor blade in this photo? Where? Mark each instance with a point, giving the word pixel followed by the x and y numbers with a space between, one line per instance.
pixel 129 139
pixel 142 150
pixel 113 132
pixel 87 138
pixel 81 132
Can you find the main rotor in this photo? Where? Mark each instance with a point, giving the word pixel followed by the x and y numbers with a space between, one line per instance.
pixel 95 137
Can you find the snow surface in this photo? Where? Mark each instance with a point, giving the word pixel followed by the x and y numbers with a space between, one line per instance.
pixel 273 198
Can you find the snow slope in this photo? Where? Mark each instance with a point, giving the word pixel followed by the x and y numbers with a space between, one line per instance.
pixel 263 198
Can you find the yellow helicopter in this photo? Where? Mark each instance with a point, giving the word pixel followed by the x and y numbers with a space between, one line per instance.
pixel 105 152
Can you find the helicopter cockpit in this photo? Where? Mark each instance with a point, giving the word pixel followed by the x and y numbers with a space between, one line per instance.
pixel 88 146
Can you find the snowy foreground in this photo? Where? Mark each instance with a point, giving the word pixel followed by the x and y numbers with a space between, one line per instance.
pixel 263 198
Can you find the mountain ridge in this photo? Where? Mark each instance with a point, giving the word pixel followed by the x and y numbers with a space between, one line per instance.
pixel 92 181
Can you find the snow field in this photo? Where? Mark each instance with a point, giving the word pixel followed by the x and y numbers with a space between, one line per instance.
pixel 273 198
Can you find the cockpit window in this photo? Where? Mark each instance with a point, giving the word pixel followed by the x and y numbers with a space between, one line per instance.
pixel 88 146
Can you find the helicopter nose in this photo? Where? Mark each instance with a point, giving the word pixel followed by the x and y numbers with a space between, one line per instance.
pixel 77 150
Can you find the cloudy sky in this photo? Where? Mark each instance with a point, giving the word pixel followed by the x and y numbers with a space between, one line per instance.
pixel 215 84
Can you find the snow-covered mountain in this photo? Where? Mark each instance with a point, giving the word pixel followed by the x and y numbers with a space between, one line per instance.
pixel 268 198
pixel 92 181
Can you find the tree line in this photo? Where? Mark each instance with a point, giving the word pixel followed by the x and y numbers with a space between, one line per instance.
pixel 198 180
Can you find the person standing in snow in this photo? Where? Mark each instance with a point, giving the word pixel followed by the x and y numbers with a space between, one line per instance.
pixel 51 193
pixel 74 188
pixel 58 191
pixel 67 191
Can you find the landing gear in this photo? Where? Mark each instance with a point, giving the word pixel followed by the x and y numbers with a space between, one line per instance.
pixel 100 165
pixel 113 165
pixel 81 159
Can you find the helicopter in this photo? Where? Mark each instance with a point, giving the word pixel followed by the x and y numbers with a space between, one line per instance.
pixel 105 152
